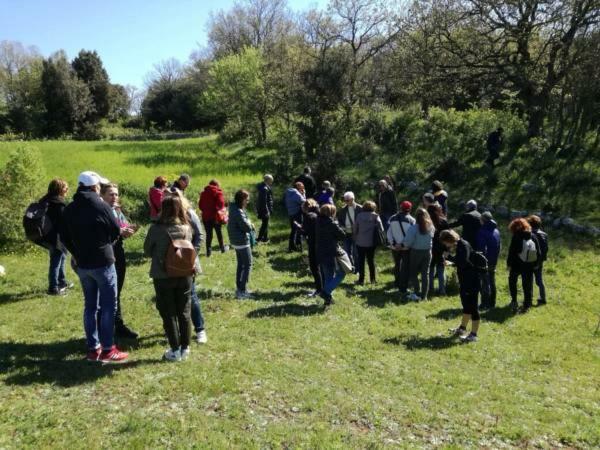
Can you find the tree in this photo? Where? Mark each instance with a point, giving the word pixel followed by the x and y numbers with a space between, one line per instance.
pixel 119 101
pixel 89 69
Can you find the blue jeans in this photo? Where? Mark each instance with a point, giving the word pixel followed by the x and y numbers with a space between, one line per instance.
pixel 56 272
pixel 197 317
pixel 100 294
pixel 350 248
pixel 332 277
pixel 244 265
pixel 539 281
pixel 437 271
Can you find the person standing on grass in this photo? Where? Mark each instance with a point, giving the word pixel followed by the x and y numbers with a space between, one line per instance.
pixel 396 235
pixel 420 241
pixel 523 259
pixel 470 221
pixel 386 202
pixel 155 196
pixel 197 237
pixel 294 198
pixel 309 183
pixel 488 243
pixel 437 267
pixel 542 238
pixel 88 230
pixel 310 211
pixel 329 235
pixel 468 280
pixel 366 225
pixel 173 294
pixel 346 218
pixel 326 194
pixel 55 198
pixel 110 194
pixel 182 182
pixel 264 207
pixel 440 195
pixel 212 204
pixel 239 229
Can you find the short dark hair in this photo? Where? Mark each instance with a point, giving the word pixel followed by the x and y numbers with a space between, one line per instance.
pixel 240 196
pixel 57 186
pixel 185 177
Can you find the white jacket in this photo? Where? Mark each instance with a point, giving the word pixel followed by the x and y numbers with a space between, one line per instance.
pixel 399 225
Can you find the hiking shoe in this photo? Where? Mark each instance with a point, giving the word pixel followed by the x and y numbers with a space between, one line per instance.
pixel 225 248
pixel 185 353
pixel 312 294
pixel 172 355
pixel 541 302
pixel 113 356
pixel 123 331
pixel 201 337
pixel 514 306
pixel 57 291
pixel 468 338
pixel 93 355
pixel 457 332
pixel 68 285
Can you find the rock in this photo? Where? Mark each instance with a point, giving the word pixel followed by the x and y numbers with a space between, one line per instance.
pixel 557 222
pixel 594 231
pixel 515 214
pixel 502 211
pixel 567 222
pixel 578 229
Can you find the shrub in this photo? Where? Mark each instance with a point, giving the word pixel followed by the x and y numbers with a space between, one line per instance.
pixel 23 180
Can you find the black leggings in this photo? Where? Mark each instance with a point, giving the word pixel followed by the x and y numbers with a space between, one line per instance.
pixel 209 225
pixel 526 274
pixel 469 293
pixel 367 253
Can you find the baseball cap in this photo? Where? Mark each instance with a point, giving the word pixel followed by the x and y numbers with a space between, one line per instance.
pixel 406 206
pixel 89 178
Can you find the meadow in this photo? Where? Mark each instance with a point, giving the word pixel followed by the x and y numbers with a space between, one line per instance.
pixel 280 371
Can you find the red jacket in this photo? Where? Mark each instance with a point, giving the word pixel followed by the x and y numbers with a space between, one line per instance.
pixel 211 201
pixel 155 196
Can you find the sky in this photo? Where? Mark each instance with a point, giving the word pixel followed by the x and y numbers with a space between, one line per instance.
pixel 129 35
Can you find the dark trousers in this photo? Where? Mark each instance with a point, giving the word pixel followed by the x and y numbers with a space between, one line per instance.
pixel 488 287
pixel 367 253
pixel 209 226
pixel 350 248
pixel 314 267
pixel 295 241
pixel 526 274
pixel 469 293
pixel 539 281
pixel 56 271
pixel 173 301
pixel 263 233
pixel 197 317
pixel 401 269
pixel 244 266
pixel 120 267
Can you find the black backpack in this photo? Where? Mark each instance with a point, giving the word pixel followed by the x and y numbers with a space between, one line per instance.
pixel 36 223
pixel 478 260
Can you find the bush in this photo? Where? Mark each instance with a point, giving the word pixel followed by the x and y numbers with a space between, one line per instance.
pixel 135 202
pixel 23 179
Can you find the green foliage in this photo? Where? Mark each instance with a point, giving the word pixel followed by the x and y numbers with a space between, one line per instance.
pixel 89 69
pixel 23 178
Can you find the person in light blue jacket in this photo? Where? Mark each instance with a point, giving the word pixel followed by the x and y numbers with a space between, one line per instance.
pixel 419 239
pixel 294 199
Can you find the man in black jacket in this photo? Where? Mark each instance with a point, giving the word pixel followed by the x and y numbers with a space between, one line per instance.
pixel 89 230
pixel 470 221
pixel 386 203
pixel 310 185
pixel 264 207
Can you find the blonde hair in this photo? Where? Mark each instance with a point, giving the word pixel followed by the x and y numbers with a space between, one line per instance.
pixel 369 206
pixel 449 236
pixel 327 210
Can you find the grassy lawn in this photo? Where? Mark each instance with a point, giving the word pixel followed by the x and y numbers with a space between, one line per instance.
pixel 280 371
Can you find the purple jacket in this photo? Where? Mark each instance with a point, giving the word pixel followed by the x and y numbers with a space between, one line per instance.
pixel 488 242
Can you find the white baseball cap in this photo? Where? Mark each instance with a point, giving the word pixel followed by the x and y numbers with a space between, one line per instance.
pixel 89 178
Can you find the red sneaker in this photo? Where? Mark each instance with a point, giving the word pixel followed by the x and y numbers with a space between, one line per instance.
pixel 113 356
pixel 93 355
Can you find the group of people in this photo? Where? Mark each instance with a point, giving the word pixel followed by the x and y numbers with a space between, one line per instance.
pixel 93 227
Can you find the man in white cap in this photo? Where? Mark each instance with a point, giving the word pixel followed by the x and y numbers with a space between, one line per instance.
pixel 88 230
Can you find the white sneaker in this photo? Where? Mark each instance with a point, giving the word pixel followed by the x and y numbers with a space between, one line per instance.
pixel 201 337
pixel 172 355
pixel 185 353
pixel 414 297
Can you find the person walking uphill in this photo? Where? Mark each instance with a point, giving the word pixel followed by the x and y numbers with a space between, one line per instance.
pixel 239 229
pixel 170 237
pixel 329 234
pixel 366 225
pixel 294 198
pixel 264 207
pixel 386 202
pixel 88 230
pixel 212 205
pixel 470 221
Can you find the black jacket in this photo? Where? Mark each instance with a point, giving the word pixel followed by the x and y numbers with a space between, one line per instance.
pixel 56 206
pixel 542 239
pixel 328 234
pixel 516 245
pixel 89 229
pixel 438 249
pixel 264 201
pixel 310 186
pixel 309 227
pixel 386 202
pixel 468 277
pixel 343 212
pixel 470 223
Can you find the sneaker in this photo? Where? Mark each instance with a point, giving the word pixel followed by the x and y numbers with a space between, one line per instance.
pixel 469 338
pixel 93 355
pixel 414 297
pixel 57 291
pixel 225 248
pixel 201 337
pixel 459 332
pixel 113 356
pixel 123 331
pixel 540 302
pixel 312 294
pixel 185 353
pixel 172 355
pixel 67 285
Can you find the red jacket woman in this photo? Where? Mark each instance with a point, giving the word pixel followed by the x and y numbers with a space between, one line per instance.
pixel 212 200
pixel 155 196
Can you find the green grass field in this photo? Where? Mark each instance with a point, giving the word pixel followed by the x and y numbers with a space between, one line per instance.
pixel 280 371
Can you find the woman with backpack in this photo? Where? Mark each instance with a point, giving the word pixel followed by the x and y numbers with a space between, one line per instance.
pixel 366 224
pixel 173 293
pixel 437 267
pixel 468 280
pixel 523 258
pixel 212 205
pixel 419 239
pixel 542 238
pixel 329 235
pixel 239 228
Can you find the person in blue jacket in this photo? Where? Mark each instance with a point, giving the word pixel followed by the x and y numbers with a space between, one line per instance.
pixel 488 242
pixel 294 199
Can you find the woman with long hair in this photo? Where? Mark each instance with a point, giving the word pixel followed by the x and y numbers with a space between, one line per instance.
pixel 419 239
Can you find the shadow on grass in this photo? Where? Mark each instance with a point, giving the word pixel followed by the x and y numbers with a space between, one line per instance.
pixel 17 297
pixel 497 315
pixel 379 297
pixel 290 309
pixel 276 296
pixel 293 264
pixel 136 258
pixel 423 343
pixel 57 363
